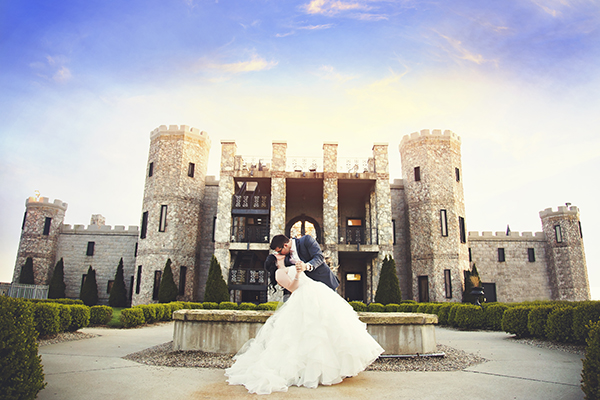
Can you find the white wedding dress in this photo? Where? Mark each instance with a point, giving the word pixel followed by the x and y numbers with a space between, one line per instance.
pixel 313 338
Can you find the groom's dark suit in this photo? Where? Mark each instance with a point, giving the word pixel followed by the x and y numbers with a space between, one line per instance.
pixel 309 251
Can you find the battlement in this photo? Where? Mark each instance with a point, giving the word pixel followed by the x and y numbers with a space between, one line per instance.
pixel 525 236
pixel 562 210
pixel 425 133
pixel 178 130
pixel 211 180
pixel 45 202
pixel 102 229
pixel 397 184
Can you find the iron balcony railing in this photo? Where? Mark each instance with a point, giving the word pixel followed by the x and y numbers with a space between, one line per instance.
pixel 239 277
pixel 260 202
pixel 357 235
pixel 250 234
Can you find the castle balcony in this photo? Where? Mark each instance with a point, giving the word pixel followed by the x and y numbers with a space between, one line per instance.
pixel 250 204
pixel 241 233
pixel 357 235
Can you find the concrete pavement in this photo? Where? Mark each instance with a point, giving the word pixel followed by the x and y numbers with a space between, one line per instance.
pixel 93 369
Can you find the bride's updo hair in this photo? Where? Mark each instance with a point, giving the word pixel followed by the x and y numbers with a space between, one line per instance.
pixel 271 267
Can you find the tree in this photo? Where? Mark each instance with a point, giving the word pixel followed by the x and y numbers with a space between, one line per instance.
pixel 57 283
pixel 388 290
pixel 26 276
pixel 471 280
pixel 89 291
pixel 118 293
pixel 167 291
pixel 216 288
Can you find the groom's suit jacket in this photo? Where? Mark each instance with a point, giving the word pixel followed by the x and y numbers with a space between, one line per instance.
pixel 309 251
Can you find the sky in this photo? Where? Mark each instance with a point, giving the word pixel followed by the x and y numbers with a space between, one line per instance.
pixel 83 83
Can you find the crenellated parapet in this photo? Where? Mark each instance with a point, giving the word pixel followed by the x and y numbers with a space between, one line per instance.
pixel 562 210
pixel 180 130
pixel 45 202
pixel 512 236
pixel 102 229
pixel 425 134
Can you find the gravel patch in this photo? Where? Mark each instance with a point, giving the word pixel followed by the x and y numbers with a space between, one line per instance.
pixel 163 355
pixel 64 337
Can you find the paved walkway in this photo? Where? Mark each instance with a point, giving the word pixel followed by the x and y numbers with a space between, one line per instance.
pixel 93 369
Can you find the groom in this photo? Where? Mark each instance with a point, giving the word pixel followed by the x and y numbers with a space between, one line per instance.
pixel 306 254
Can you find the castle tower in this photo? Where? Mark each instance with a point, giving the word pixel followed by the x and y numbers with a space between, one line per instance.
pixel 431 170
pixel 171 211
pixel 565 254
pixel 39 238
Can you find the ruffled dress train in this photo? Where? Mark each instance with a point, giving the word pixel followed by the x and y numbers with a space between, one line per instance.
pixel 313 338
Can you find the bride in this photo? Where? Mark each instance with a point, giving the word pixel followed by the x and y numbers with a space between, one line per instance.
pixel 313 338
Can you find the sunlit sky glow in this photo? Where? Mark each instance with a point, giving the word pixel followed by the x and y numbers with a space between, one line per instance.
pixel 83 83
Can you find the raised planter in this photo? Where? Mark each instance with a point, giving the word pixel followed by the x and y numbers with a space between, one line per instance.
pixel 225 331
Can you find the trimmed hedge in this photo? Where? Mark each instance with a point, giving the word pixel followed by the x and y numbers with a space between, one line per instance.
pixel 469 316
pixel 100 315
pixel 80 317
pixel 515 321
pixel 269 306
pixel 493 316
pixel 443 312
pixel 375 307
pixel 22 374
pixel 391 307
pixel 358 306
pixel 131 317
pixel 536 321
pixel 559 326
pixel 228 305
pixel 247 306
pixel 590 374
pixel 584 315
pixel 47 318
pixel 210 305
pixel 64 315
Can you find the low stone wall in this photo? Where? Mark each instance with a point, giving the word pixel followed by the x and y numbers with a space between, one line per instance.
pixel 225 331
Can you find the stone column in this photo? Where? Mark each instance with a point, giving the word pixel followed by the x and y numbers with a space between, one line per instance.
pixel 278 188
pixel 330 203
pixel 226 192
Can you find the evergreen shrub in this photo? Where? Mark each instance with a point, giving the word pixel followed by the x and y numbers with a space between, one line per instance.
pixel 168 290
pixel 515 321
pixel 559 326
pixel 56 289
pixel 210 305
pixel 537 319
pixel 132 317
pixel 80 317
pixel 452 314
pixel 421 308
pixel 493 316
pixel 392 307
pixel 59 301
pixel 247 306
pixel 469 316
pixel 21 371
pixel 375 307
pixel 216 289
pixel 47 319
pixel 118 292
pixel 443 312
pixel 228 305
pixel 435 309
pixel 64 315
pixel 26 276
pixel 388 289
pixel 100 315
pixel 584 315
pixel 358 306
pixel 150 312
pixel 89 290
pixel 590 374
pixel 269 306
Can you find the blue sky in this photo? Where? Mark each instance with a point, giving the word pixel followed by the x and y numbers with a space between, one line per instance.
pixel 82 84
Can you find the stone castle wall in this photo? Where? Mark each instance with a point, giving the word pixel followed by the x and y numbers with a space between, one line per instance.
pixel 402 236
pixel 207 225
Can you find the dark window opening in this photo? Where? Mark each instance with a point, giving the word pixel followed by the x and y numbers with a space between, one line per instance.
pixel 457 172
pixel 580 231
pixel 417 174
pixel 444 222
pixel 182 274
pixel 47 224
pixel 162 225
pixel 448 283
pixel 214 228
pixel 558 234
pixel 144 225
pixel 157 277
pixel 82 282
pixel 90 248
pixel 150 169
pixel 470 255
pixel 191 169
pixel 423 289
pixel 501 257
pixel 394 229
pixel 531 254
pixel 25 219
pixel 135 251
pixel 109 286
pixel 139 280
pixel 463 230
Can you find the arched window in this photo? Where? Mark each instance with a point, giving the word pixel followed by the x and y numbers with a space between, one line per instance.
pixel 303 225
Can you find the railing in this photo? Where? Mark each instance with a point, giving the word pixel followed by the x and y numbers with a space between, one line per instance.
pixel 251 202
pixel 357 235
pixel 24 291
pixel 355 165
pixel 304 164
pixel 250 234
pixel 239 277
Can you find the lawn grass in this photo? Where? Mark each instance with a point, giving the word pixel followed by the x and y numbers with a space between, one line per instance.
pixel 115 321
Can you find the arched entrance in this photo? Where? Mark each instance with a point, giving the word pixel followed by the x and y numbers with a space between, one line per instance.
pixel 303 225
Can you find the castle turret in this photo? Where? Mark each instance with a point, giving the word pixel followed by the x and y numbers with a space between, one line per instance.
pixel 565 254
pixel 171 210
pixel 431 170
pixel 39 237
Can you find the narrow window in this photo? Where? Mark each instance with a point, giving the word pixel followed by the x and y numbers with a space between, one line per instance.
pixel 558 233
pixel 579 222
pixel 109 286
pixel 47 224
pixel 191 169
pixel 182 274
pixel 394 229
pixel 82 282
pixel 501 257
pixel 417 174
pixel 444 222
pixel 470 255
pixel 163 218
pixel 150 169
pixel 135 251
pixel 25 218
pixel 457 172
pixel 139 280
pixel 144 225
pixel 448 283
pixel 531 254
pixel 463 231
pixel 214 228
pixel 90 248
pixel 157 277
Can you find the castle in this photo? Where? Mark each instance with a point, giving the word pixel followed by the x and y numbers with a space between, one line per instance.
pixel 348 205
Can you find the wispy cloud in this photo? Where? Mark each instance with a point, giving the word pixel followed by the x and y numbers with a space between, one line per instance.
pixel 53 68
pixel 305 28
pixel 255 64
pixel 329 72
pixel 333 7
pixel 458 51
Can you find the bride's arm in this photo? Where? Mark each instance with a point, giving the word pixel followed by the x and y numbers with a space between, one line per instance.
pixel 285 281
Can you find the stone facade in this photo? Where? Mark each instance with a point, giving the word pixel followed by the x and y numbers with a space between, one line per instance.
pixel 348 205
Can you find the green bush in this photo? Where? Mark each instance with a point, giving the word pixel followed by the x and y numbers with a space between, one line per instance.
pixel 64 315
pixel 590 374
pixel 210 305
pixel 270 306
pixel 21 372
pixel 149 311
pixel 493 316
pixel 375 307
pixel 515 321
pixel 536 321
pixel 175 306
pixel 559 326
pixel 392 307
pixel 168 290
pixel 80 317
pixel 584 315
pixel 167 312
pixel 100 315
pixel 216 289
pixel 131 317
pixel 59 301
pixel 26 275
pixel 118 292
pixel 421 308
pixel 89 290
pixel 247 306
pixel 452 314
pixel 47 319
pixel 435 309
pixel 227 305
pixel 56 289
pixel 469 316
pixel 388 288
pixel 443 312
pixel 358 306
